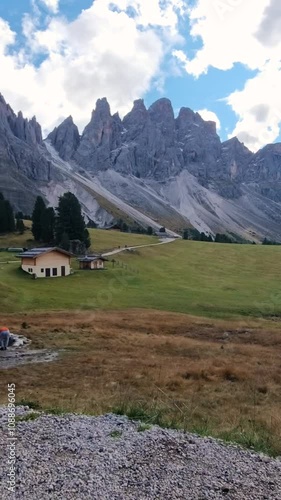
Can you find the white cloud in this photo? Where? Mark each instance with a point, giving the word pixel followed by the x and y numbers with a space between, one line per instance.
pixel 104 52
pixel 246 32
pixel 52 5
pixel 7 36
pixel 208 115
pixel 258 107
pixel 228 36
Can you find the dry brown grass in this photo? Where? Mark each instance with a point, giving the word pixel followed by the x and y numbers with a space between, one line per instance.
pixel 210 376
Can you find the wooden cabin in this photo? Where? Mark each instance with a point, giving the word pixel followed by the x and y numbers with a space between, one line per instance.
pixel 92 262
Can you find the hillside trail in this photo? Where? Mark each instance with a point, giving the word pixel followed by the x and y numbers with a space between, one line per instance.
pixel 124 249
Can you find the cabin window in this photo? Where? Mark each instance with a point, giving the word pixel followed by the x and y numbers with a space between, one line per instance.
pixel 42 270
pixel 55 271
pixel 30 269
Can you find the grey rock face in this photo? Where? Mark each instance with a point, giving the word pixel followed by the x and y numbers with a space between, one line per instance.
pixel 100 137
pixel 230 170
pixel 199 144
pixel 65 138
pixel 25 130
pixel 264 172
pixel 23 159
pixel 235 159
pixel 181 160
pixel 148 142
pixel 151 143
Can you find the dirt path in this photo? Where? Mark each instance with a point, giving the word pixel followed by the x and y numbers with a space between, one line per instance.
pixel 123 249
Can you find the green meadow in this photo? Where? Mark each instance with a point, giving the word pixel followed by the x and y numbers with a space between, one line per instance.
pixel 204 279
pixel 214 370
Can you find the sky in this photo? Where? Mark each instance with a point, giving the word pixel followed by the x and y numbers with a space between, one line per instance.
pixel 221 58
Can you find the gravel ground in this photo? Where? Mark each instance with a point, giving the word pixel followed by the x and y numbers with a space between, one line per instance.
pixel 76 457
pixel 19 353
pixel 13 358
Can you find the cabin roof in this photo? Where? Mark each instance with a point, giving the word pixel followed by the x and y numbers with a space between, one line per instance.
pixel 35 252
pixel 91 258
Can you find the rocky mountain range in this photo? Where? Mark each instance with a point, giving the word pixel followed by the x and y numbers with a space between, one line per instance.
pixel 152 167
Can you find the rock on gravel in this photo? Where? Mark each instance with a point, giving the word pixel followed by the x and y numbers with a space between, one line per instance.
pixel 75 457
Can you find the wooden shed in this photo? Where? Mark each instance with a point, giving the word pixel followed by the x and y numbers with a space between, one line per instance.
pixel 92 262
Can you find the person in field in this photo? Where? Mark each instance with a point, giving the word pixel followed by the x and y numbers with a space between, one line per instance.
pixel 4 337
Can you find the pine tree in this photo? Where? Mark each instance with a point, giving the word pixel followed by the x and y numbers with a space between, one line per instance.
pixel 7 218
pixel 124 227
pixel 48 225
pixel 65 242
pixel 37 218
pixel 11 225
pixel 3 223
pixel 87 238
pixel 70 221
pixel 20 226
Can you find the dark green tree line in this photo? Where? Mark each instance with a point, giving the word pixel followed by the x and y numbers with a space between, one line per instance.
pixel 63 226
pixel 7 219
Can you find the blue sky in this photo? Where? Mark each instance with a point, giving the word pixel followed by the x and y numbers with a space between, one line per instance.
pixel 220 58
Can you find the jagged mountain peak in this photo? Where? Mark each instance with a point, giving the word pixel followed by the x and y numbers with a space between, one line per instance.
pixel 137 116
pixel 65 138
pixel 185 171
pixel 187 114
pixel 22 128
pixel 149 142
pixel 161 109
pixel 23 158
pixel 272 148
pixel 99 138
pixel 234 142
pixel 69 120
pixel 139 104
pixel 102 107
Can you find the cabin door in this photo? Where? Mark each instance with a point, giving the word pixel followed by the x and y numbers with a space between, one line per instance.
pixel 63 270
pixel 48 272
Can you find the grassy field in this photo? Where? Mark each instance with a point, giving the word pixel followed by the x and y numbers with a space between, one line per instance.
pixel 214 377
pixel 101 240
pixel 107 240
pixel 185 334
pixel 16 240
pixel 204 279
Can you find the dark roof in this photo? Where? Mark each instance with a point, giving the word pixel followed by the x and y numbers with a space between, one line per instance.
pixel 91 258
pixel 35 252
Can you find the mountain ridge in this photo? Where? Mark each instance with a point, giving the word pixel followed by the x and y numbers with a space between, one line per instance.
pixel 171 169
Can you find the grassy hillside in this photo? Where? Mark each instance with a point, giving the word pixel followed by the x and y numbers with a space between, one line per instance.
pixel 191 277
pixel 101 240
pixel 17 240
pixel 107 240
